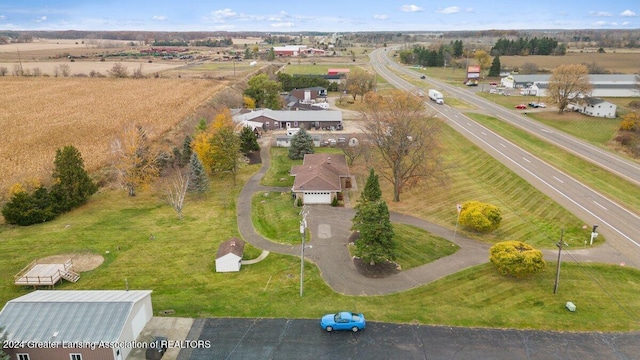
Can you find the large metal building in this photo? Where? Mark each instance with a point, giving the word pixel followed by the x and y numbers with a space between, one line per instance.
pixel 75 324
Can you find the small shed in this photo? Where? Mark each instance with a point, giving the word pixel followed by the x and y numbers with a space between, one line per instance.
pixel 229 258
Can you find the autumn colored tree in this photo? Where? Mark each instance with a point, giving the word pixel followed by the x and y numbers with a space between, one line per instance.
pixel 483 59
pixel 568 82
pixel 135 164
pixel 360 82
pixel 405 138
pixel 516 258
pixel 480 217
pixel 264 91
pixel 248 102
pixel 72 186
pixel 218 147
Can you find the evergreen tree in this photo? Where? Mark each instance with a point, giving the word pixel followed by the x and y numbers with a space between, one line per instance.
pixel 370 193
pixel 26 209
pixel 72 185
pixel 376 243
pixel 185 156
pixel 494 71
pixel 248 141
pixel 301 144
pixel 198 177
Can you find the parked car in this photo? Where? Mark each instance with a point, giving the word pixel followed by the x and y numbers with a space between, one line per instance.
pixel 423 77
pixel 344 320
pixel 542 105
pixel 521 106
pixel 493 84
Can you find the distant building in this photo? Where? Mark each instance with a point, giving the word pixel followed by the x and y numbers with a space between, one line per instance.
pixel 284 119
pixel 609 85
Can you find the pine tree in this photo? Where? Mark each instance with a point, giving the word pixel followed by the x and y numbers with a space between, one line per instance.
pixel 198 178
pixel 248 141
pixel 371 192
pixel 376 243
pixel 72 185
pixel 301 144
pixel 494 71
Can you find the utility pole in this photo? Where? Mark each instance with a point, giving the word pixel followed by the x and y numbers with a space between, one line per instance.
pixel 303 227
pixel 559 245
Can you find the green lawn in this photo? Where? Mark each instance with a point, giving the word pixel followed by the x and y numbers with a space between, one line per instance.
pixel 179 266
pixel 275 217
pixel 595 177
pixel 418 247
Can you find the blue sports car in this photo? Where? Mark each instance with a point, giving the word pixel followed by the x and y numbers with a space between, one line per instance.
pixel 343 321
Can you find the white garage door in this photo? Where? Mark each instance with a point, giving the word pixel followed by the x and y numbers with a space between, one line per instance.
pixel 317 197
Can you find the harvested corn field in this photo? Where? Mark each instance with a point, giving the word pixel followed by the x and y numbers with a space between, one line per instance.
pixel 40 115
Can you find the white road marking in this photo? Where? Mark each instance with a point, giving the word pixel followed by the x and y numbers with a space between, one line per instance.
pixel 527 160
pixel 595 202
pixel 558 179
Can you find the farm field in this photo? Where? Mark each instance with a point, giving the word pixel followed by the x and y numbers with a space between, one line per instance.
pixel 615 63
pixel 40 115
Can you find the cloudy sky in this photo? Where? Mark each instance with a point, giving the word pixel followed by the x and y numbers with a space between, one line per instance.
pixel 323 15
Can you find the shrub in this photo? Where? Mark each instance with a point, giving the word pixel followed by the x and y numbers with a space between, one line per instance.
pixel 516 258
pixel 480 217
pixel 26 209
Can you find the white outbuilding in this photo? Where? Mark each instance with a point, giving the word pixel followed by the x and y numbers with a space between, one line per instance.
pixel 229 257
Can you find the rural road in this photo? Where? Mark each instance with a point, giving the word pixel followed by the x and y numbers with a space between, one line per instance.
pixel 618 224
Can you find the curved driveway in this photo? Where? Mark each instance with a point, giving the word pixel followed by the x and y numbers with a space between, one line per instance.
pixel 330 229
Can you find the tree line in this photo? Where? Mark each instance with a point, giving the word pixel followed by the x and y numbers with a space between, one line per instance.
pixel 526 46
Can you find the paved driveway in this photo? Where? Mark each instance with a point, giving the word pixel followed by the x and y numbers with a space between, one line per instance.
pixel 284 339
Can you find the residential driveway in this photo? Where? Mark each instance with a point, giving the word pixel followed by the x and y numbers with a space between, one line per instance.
pixel 330 230
pixel 250 339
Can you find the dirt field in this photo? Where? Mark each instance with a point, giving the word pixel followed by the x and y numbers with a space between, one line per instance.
pixel 81 261
pixel 40 115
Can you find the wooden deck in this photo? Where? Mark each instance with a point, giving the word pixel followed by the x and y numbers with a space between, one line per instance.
pixel 36 274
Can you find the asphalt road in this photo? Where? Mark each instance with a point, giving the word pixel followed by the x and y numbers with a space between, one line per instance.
pixel 284 339
pixel 618 224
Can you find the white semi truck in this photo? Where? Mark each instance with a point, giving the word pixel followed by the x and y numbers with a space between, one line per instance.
pixel 436 96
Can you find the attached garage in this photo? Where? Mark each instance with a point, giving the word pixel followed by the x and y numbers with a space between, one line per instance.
pixel 317 197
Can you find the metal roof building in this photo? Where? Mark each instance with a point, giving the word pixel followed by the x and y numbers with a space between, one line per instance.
pixel 81 319
pixel 604 85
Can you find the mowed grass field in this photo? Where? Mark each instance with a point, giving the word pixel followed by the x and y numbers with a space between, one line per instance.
pixel 40 115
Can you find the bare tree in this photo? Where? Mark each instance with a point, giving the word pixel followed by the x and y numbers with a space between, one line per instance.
pixel 568 82
pixel 65 70
pixel 3 71
pixel 118 71
pixel 176 190
pixel 529 68
pixel 138 74
pixel 405 137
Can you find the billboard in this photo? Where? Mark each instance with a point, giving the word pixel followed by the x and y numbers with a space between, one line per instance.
pixel 473 72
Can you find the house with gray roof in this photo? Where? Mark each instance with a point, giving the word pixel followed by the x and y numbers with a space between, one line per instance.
pixel 595 107
pixel 320 178
pixel 285 119
pixel 75 324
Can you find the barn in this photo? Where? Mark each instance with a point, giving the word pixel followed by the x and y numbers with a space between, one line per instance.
pixel 229 257
pixel 72 324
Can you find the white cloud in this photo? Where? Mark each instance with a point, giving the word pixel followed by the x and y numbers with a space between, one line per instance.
pixel 625 23
pixel 159 18
pixel 380 17
pixel 411 8
pixel 224 14
pixel 470 10
pixel 628 13
pixel 2 17
pixel 600 13
pixel 605 23
pixel 283 25
pixel 449 10
pixel 41 19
